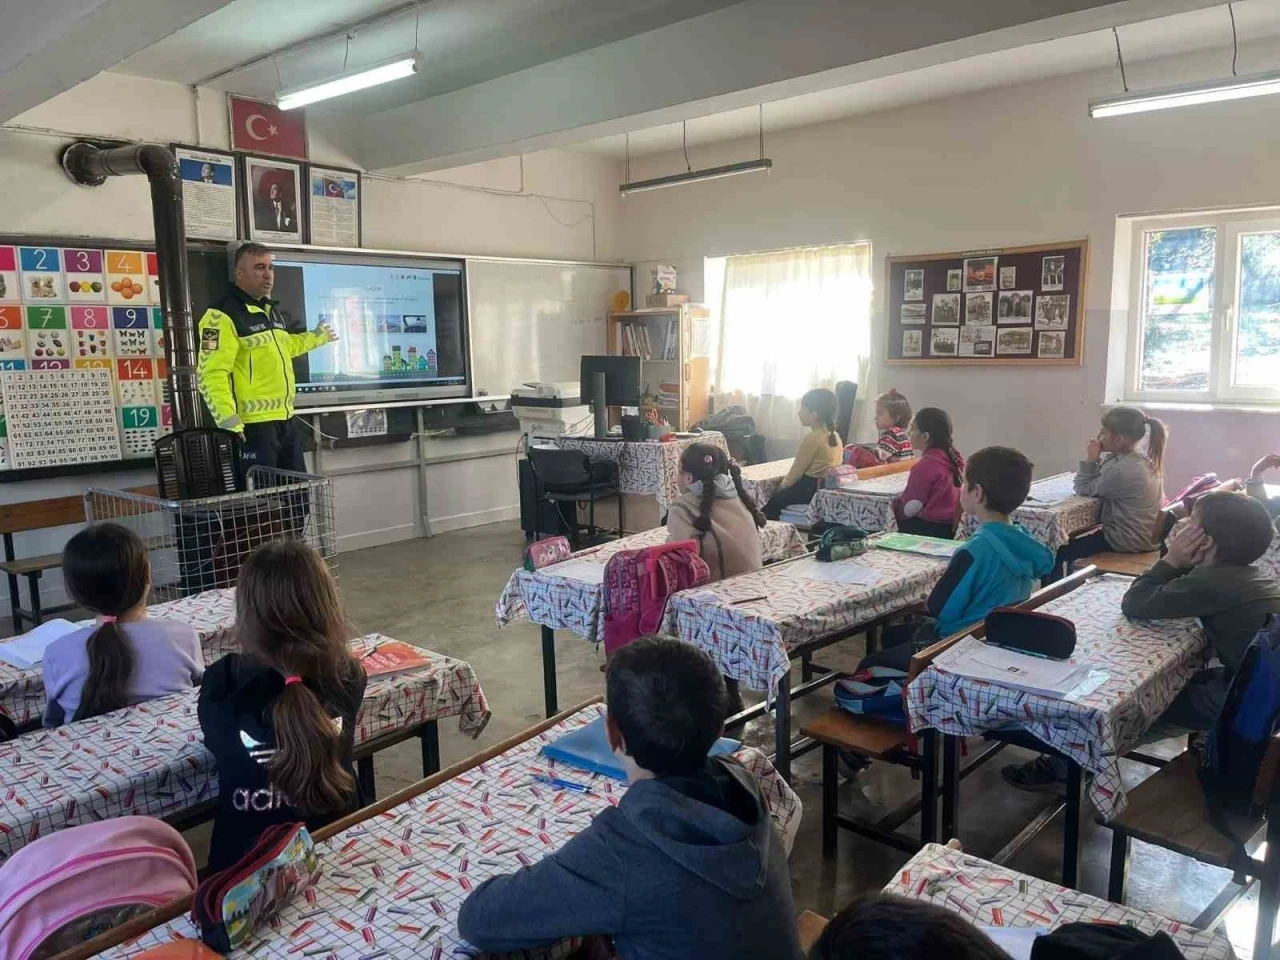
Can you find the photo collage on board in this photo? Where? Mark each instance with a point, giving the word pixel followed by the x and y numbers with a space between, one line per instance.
pixel 73 308
pixel 988 309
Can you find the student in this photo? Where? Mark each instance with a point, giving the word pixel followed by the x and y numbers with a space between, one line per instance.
pixel 929 506
pixel 819 451
pixel 279 719
pixel 715 511
pixel 1128 483
pixel 1208 573
pixel 124 658
pixel 893 416
pixel 1258 490
pixel 882 926
pixel 687 864
pixel 998 566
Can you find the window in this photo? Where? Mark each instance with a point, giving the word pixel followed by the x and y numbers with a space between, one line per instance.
pixel 1207 309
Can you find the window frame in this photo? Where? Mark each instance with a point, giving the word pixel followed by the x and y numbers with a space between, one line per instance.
pixel 1224 330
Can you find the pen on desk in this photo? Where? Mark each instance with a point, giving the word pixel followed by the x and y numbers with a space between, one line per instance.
pixel 563 784
pixel 734 603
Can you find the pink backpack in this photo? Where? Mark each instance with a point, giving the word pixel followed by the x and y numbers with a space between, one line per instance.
pixel 637 584
pixel 72 885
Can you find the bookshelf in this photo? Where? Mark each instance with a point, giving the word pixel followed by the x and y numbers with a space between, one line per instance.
pixel 672 343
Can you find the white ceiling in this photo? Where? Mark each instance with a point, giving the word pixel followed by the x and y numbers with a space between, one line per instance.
pixel 463 42
pixel 1257 21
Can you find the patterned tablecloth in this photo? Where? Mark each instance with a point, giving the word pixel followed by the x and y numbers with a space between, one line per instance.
pixel 750 624
pixel 762 480
pixel 1052 513
pixel 1147 663
pixel 650 467
pixel 393 885
pixel 153 763
pixel 993 896
pixel 212 613
pixel 574 605
pixel 1271 559
pixel 865 504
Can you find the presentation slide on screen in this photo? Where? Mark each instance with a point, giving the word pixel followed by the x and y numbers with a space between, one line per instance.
pixel 384 317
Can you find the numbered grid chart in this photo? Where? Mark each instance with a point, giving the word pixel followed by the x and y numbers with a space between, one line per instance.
pixel 75 308
pixel 57 417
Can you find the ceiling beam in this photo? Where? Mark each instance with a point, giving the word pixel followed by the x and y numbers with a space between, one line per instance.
pixel 752 52
pixel 46 48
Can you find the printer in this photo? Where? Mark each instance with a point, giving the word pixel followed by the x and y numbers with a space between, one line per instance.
pixel 550 410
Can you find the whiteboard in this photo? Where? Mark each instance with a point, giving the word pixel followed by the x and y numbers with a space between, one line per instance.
pixel 534 321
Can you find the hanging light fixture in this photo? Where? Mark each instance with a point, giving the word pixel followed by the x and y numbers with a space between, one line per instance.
pixel 691 175
pixel 1184 95
pixel 394 69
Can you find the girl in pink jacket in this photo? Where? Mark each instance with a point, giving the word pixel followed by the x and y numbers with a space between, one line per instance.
pixel 930 505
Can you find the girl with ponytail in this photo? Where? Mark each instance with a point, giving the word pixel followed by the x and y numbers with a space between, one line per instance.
pixel 930 504
pixel 124 658
pixel 716 511
pixel 819 451
pixel 1129 483
pixel 279 718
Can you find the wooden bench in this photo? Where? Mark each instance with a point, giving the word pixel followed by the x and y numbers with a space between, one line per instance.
pixel 877 739
pixel 1169 809
pixel 39 515
pixel 811 926
pixel 1136 564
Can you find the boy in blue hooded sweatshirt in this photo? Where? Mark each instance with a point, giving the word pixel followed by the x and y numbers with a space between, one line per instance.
pixel 688 864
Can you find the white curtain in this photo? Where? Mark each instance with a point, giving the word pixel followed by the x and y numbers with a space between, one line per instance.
pixel 791 321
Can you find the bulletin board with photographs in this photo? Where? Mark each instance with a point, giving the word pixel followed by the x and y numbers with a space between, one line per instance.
pixel 68 306
pixel 1019 305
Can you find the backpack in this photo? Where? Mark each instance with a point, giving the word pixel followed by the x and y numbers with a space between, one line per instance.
pixel 1239 736
pixel 72 885
pixel 637 584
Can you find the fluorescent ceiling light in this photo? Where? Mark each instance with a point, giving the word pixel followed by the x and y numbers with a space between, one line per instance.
pixel 1212 91
pixel 696 176
pixel 361 79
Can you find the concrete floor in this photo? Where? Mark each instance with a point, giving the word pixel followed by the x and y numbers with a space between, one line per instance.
pixel 440 594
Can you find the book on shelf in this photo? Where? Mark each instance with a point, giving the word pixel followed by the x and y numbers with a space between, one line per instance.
pixel 635 341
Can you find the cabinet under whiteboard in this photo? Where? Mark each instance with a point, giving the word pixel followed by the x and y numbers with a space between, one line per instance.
pixel 59 417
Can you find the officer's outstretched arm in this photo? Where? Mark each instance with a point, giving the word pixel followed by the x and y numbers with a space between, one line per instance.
pixel 219 346
pixel 300 343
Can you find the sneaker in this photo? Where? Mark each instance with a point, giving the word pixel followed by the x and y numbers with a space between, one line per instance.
pixel 852 764
pixel 1041 775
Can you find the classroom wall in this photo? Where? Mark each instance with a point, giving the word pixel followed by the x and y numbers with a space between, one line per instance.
pixel 555 204
pixel 1009 166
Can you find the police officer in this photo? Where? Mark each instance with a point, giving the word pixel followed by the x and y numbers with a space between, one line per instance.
pixel 246 363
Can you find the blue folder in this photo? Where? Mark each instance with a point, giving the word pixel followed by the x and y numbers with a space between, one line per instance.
pixel 588 749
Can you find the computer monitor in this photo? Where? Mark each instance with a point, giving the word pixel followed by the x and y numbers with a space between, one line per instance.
pixel 622 386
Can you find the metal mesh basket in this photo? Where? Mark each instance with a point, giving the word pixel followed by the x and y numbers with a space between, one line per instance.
pixel 198 545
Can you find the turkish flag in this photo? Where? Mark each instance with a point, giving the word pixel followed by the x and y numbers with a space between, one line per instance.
pixel 258 127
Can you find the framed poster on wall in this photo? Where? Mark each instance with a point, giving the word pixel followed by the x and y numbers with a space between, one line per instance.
pixel 272 199
pixel 1015 305
pixel 209 192
pixel 334 206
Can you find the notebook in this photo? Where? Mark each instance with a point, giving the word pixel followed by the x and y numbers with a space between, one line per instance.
pixel 910 543
pixel 588 749
pixel 392 656
pixel 27 651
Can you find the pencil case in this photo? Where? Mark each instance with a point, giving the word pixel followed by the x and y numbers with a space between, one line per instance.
pixel 1030 631
pixel 229 906
pixel 841 543
pixel 545 552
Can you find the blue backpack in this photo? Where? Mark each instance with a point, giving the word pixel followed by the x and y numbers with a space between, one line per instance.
pixel 1239 737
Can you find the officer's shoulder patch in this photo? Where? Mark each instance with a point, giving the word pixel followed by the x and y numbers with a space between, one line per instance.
pixel 209 339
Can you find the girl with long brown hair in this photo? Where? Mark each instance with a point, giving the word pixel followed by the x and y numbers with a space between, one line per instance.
pixel 124 658
pixel 279 718
pixel 715 510
pixel 819 451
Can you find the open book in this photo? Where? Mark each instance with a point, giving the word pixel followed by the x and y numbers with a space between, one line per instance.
pixel 27 651
pixel 981 661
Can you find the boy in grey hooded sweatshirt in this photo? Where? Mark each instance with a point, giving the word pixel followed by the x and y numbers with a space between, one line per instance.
pixel 688 864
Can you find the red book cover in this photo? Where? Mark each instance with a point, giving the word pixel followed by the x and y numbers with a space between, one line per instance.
pixel 392 656
pixel 179 950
